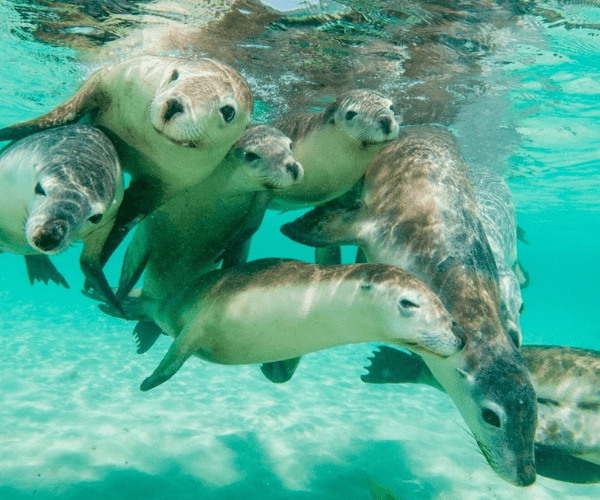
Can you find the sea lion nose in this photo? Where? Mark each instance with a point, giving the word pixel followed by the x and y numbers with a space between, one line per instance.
pixel 51 235
pixel 295 170
pixel 386 125
pixel 172 107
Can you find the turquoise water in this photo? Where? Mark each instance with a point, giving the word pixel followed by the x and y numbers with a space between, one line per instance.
pixel 74 423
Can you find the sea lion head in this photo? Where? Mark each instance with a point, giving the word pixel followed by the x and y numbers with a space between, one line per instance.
pixel 413 312
pixel 76 183
pixel 493 390
pixel 265 154
pixel 200 103
pixel 367 117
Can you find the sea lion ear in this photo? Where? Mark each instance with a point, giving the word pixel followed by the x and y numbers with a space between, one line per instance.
pixel 85 100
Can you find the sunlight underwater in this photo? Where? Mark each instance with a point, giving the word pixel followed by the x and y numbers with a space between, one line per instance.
pixel 75 425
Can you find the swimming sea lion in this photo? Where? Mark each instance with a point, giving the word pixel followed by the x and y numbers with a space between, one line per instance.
pixel 273 309
pixel 417 211
pixel 172 121
pixel 56 187
pixel 497 213
pixel 336 146
pixel 567 384
pixel 196 229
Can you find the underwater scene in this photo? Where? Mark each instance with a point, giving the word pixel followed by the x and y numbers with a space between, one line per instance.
pixel 448 147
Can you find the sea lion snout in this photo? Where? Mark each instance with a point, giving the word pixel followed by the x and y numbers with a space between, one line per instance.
pixel 295 170
pixel 172 107
pixel 51 235
pixel 386 125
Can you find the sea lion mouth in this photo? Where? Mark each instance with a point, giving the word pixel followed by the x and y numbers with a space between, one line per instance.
pixel 177 142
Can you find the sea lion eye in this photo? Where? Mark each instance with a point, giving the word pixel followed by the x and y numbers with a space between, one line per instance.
pixel 228 113
pixel 350 115
pixel 174 76
pixel 94 219
pixel 250 156
pixel 39 189
pixel 408 304
pixel 490 417
pixel 522 308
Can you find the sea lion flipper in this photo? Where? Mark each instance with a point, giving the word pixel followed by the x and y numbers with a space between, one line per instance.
pixel 134 263
pixel 279 372
pixel 146 334
pixel 186 344
pixel 237 251
pixel 522 275
pixel 392 366
pixel 39 267
pixel 92 268
pixel 328 256
pixel 521 235
pixel 84 101
pixel 324 226
pixel 563 467
pixel 141 198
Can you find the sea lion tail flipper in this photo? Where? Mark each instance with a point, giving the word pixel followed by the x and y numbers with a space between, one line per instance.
pixel 84 101
pixel 39 267
pixel 279 372
pixel 324 226
pixel 522 275
pixel 186 344
pixel 146 334
pixel 392 366
pixel 134 263
pixel 563 467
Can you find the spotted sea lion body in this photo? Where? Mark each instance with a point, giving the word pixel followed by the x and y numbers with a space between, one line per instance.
pixel 57 187
pixel 417 211
pixel 336 146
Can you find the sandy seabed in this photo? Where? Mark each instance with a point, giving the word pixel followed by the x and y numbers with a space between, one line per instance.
pixel 75 424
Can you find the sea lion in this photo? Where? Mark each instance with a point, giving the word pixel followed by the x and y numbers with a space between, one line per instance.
pixel 567 384
pixel 498 216
pixel 198 228
pixel 336 146
pixel 172 121
pixel 273 309
pixel 56 187
pixel 417 211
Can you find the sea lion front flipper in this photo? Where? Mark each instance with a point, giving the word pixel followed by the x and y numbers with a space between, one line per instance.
pixel 86 100
pixel 521 235
pixel 361 256
pixel 92 268
pixel 327 225
pixel 328 256
pixel 39 267
pixel 562 467
pixel 140 199
pixel 134 263
pixel 279 372
pixel 392 366
pixel 522 275
pixel 237 251
pixel 186 344
pixel 146 333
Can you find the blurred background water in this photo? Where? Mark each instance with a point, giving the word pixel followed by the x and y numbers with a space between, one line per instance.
pixel 517 81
